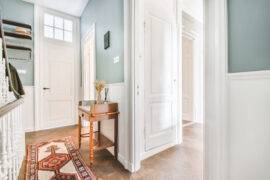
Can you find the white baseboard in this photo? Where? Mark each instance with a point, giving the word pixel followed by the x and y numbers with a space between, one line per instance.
pixel 189 124
pixel 128 165
pixel 249 75
pixel 56 126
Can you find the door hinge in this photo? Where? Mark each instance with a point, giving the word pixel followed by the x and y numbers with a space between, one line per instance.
pixel 144 26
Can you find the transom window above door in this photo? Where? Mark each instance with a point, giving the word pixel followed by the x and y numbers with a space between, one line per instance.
pixel 57 28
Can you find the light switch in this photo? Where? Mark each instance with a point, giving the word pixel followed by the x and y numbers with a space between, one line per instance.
pixel 22 71
pixel 116 59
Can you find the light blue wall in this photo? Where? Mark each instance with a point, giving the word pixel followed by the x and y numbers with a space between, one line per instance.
pixel 108 16
pixel 20 11
pixel 249 35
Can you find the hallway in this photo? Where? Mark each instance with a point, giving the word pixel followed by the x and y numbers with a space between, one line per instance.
pixel 180 162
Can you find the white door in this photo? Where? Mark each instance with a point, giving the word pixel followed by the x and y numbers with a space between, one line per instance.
pixel 187 69
pixel 57 70
pixel 89 65
pixel 160 74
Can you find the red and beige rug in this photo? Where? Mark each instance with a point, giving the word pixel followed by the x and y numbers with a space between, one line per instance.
pixel 56 160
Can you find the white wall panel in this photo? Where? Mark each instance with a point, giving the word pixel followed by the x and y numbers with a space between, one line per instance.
pixel 28 109
pixel 249 126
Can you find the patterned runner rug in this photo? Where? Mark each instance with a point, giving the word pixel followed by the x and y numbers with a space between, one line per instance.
pixel 56 160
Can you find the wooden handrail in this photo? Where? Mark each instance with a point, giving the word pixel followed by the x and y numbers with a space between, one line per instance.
pixel 10 106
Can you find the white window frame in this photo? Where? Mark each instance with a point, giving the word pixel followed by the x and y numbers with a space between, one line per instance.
pixel 53 26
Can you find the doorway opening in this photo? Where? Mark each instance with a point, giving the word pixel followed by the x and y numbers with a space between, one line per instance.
pixel 148 35
pixel 192 71
pixel 89 64
pixel 158 83
pixel 193 89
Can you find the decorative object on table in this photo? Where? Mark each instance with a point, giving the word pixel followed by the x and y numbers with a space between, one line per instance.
pixel 57 159
pixel 107 40
pixel 106 94
pixel 99 85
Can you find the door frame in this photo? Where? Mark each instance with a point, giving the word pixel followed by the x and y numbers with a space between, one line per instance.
pixel 141 106
pixel 90 31
pixel 198 79
pixel 38 36
pixel 215 90
pixel 137 92
pixel 190 37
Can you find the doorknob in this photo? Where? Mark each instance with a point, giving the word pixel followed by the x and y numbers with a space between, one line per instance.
pixel 45 88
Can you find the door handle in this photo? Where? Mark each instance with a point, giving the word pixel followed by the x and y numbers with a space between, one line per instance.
pixel 45 88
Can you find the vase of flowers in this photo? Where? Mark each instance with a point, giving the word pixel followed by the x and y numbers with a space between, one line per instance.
pixel 99 85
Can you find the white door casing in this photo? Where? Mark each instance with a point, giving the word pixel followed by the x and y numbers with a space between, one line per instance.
pixel 57 70
pixel 89 64
pixel 160 75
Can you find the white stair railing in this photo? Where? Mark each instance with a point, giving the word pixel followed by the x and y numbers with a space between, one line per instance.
pixel 12 144
pixel 12 138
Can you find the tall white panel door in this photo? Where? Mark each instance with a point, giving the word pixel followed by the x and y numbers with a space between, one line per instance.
pixel 160 74
pixel 57 73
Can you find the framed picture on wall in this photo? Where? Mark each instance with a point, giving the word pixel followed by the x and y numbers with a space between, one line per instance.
pixel 107 40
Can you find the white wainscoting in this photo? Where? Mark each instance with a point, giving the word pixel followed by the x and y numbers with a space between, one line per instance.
pixel 28 109
pixel 117 94
pixel 249 125
pixel 12 144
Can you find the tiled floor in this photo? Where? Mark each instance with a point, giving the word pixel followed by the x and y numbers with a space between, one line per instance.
pixel 183 162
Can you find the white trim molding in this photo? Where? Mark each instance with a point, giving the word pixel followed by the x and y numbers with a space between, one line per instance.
pixel 135 57
pixel 216 91
pixel 249 75
pixel 249 125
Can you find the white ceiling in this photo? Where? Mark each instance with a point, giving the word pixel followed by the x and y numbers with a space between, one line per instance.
pixel 72 7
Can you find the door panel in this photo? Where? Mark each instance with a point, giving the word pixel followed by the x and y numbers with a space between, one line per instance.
pixel 160 54
pixel 160 74
pixel 89 75
pixel 187 78
pixel 58 74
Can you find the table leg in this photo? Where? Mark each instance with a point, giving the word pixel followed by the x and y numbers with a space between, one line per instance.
pixel 98 134
pixel 79 131
pixel 116 138
pixel 91 143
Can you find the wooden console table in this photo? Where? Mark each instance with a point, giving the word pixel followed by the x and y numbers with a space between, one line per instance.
pixel 93 112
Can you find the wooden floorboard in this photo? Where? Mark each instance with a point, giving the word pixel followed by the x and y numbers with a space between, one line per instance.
pixel 182 162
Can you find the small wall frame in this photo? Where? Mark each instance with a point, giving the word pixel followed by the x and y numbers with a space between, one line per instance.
pixel 107 40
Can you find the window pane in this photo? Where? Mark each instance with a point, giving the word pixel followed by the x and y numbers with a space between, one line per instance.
pixel 48 19
pixel 58 34
pixel 58 22
pixel 68 36
pixel 68 25
pixel 48 32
